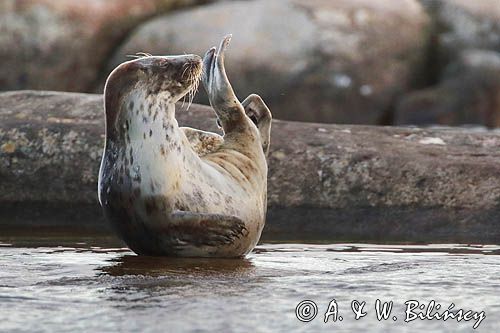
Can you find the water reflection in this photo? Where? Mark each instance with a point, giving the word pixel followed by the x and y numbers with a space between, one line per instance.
pixel 143 282
pixel 105 289
pixel 161 266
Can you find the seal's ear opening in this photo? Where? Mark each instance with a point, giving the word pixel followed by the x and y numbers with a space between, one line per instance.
pixel 259 114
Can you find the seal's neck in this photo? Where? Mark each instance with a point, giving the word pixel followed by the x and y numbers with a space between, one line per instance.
pixel 149 142
pixel 143 116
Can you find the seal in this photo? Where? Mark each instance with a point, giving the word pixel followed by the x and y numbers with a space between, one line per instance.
pixel 173 191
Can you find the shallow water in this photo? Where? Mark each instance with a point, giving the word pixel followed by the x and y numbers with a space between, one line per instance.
pixel 87 288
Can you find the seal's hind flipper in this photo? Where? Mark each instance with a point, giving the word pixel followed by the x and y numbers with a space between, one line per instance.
pixel 201 229
pixel 257 110
pixel 202 142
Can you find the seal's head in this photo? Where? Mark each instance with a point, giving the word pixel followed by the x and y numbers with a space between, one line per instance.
pixel 165 77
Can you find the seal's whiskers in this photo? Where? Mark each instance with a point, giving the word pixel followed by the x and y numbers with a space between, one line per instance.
pixel 194 78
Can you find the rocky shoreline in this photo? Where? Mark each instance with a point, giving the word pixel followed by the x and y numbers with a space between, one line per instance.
pixel 326 182
pixel 378 62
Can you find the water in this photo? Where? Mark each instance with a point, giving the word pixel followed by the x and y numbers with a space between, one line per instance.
pixel 87 288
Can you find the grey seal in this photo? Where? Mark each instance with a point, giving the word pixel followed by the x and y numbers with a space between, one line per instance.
pixel 174 191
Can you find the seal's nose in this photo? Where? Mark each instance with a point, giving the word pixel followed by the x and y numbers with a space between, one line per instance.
pixel 192 59
pixel 179 61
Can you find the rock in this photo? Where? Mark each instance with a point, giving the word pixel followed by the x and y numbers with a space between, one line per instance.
pixel 466 65
pixel 63 44
pixel 465 24
pixel 320 61
pixel 469 93
pixel 326 182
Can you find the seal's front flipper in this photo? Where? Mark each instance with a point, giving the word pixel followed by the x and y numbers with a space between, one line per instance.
pixel 257 110
pixel 202 142
pixel 201 229
pixel 220 93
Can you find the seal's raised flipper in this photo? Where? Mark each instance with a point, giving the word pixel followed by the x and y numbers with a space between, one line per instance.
pixel 257 110
pixel 202 142
pixel 220 93
pixel 201 229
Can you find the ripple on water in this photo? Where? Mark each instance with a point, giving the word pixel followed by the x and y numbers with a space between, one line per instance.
pixel 111 289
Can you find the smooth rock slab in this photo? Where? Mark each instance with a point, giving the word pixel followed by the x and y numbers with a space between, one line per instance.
pixel 326 182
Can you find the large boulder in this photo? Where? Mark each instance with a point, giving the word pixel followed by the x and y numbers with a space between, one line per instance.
pixel 465 24
pixel 468 93
pixel 341 61
pixel 465 66
pixel 327 182
pixel 63 44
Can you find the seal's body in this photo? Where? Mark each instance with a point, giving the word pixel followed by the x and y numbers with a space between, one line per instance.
pixel 179 191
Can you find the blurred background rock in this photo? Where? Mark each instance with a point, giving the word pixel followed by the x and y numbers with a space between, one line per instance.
pixel 384 62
